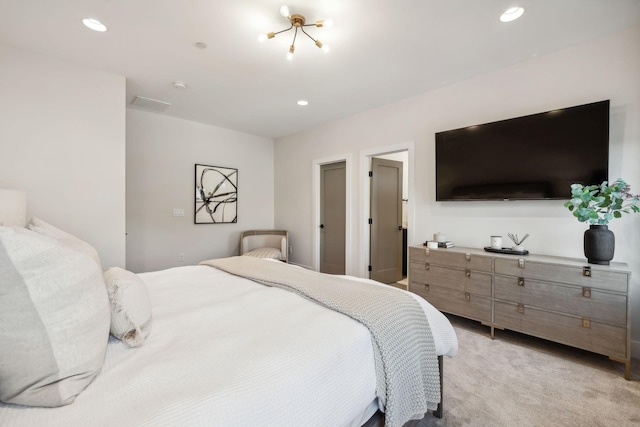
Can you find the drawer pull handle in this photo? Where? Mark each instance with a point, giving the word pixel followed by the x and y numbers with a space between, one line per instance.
pixel 520 281
pixel 467 272
pixel 586 322
pixel 467 256
pixel 586 292
pixel 467 296
pixel 586 271
pixel 521 262
pixel 521 308
pixel 426 287
pixel 427 266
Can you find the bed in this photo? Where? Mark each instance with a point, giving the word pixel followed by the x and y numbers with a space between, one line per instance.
pixel 228 351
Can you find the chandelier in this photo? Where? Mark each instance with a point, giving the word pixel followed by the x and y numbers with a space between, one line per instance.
pixel 298 22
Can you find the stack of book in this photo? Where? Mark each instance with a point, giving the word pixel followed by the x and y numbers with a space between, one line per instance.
pixel 447 244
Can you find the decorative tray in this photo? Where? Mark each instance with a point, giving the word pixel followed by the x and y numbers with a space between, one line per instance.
pixel 507 251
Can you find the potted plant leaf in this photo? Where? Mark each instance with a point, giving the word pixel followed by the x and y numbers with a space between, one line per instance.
pixel 597 205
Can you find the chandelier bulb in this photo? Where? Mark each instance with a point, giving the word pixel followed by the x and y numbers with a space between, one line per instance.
pixel 327 23
pixel 284 11
pixel 262 37
pixel 290 54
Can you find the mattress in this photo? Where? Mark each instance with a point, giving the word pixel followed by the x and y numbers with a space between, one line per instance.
pixel 227 351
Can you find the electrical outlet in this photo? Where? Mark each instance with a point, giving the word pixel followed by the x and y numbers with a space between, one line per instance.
pixel 178 212
pixel 181 257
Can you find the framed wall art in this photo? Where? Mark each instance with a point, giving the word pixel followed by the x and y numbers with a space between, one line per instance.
pixel 216 195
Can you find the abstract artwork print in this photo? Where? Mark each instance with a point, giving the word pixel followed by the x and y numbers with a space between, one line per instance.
pixel 216 198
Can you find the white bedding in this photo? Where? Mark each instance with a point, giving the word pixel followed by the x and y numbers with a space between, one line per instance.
pixel 254 355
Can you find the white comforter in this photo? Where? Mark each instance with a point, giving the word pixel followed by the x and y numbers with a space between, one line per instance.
pixel 226 351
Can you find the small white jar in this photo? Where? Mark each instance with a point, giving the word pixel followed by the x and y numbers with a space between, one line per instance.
pixel 439 237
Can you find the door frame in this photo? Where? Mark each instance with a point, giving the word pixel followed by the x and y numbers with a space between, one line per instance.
pixel 365 201
pixel 315 208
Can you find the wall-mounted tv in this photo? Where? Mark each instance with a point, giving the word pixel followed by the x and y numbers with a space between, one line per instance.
pixel 531 157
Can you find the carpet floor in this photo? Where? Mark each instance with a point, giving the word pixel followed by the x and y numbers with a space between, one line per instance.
pixel 518 380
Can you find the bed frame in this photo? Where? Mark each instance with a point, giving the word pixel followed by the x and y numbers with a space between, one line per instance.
pixel 377 420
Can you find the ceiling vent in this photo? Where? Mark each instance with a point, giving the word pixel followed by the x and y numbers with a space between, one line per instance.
pixel 151 104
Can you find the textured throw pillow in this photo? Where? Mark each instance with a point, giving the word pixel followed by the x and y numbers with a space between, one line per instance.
pixel 54 319
pixel 41 227
pixel 130 306
pixel 264 253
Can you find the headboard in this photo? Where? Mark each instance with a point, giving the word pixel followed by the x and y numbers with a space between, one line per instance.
pixel 257 239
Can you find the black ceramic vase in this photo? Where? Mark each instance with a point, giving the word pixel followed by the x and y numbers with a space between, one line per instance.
pixel 599 244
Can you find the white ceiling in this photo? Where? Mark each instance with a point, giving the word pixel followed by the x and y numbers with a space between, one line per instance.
pixel 381 50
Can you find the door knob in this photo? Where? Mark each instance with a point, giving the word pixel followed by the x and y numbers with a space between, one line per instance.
pixel 321 225
pixel 399 228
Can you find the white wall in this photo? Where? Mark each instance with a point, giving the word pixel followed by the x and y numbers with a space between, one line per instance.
pixel 607 68
pixel 161 156
pixel 62 139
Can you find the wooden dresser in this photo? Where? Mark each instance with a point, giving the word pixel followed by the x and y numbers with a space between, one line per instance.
pixel 559 299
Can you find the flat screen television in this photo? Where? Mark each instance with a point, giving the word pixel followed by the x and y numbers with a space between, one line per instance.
pixel 533 157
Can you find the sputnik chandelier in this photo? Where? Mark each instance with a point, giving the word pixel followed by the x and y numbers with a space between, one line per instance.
pixel 298 22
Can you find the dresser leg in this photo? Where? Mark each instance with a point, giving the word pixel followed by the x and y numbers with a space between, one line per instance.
pixel 627 366
pixel 627 370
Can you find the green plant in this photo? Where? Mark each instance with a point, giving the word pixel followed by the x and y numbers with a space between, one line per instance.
pixel 599 204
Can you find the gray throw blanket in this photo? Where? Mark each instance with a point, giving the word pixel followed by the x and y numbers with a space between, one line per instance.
pixel 407 375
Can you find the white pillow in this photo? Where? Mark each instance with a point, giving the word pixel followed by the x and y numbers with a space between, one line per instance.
pixel 41 227
pixel 54 319
pixel 130 306
pixel 264 253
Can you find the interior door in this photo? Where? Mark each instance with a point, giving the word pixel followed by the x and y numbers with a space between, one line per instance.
pixel 332 217
pixel 386 220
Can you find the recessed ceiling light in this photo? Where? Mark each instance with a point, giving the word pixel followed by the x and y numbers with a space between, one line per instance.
pixel 303 102
pixel 179 85
pixel 94 24
pixel 200 45
pixel 512 14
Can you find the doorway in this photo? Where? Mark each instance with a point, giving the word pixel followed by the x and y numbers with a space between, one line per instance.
pixel 332 217
pixel 350 264
pixel 408 213
pixel 386 228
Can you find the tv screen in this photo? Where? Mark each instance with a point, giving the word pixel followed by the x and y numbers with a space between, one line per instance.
pixel 532 157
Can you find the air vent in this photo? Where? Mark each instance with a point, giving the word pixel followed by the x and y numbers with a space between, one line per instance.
pixel 151 104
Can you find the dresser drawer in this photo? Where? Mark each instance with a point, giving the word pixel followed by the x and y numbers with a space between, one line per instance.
pixel 451 258
pixel 602 307
pixel 456 279
pixel 455 302
pixel 601 278
pixel 599 338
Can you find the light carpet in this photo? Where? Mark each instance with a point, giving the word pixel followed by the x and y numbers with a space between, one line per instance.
pixel 517 380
